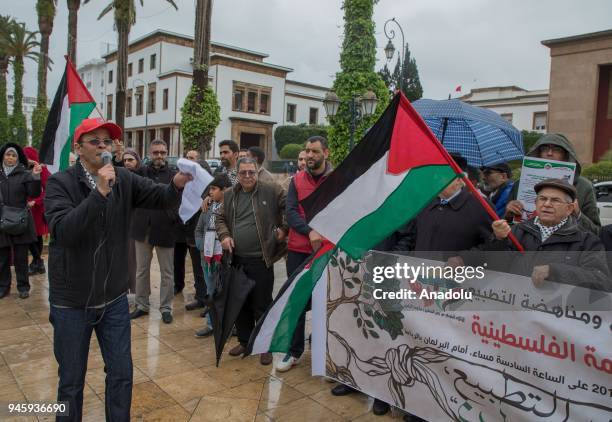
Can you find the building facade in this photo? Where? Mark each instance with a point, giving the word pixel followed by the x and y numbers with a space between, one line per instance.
pixel 28 105
pixel 580 104
pixel 525 110
pixel 254 96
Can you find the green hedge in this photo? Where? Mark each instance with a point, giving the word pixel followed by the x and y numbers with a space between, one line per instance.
pixel 296 134
pixel 291 151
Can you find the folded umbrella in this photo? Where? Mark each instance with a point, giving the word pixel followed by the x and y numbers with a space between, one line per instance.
pixel 232 290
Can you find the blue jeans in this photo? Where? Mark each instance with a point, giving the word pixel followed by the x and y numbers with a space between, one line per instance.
pixel 72 330
pixel 209 280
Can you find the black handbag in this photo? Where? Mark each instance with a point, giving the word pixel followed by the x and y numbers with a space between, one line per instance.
pixel 13 220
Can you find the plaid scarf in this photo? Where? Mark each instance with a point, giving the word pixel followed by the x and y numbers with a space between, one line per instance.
pixel 546 231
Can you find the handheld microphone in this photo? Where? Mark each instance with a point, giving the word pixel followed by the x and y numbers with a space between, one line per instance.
pixel 107 158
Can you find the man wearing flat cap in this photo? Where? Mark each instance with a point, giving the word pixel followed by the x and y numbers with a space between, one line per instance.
pixel 498 184
pixel 565 253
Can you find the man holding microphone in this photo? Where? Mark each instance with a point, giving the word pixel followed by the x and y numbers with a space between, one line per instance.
pixel 89 208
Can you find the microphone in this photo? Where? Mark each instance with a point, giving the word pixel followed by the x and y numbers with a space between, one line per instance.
pixel 107 158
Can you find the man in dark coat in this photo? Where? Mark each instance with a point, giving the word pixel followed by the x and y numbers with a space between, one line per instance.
pixel 16 185
pixel 555 146
pixel 89 222
pixel 566 253
pixel 155 229
pixel 454 221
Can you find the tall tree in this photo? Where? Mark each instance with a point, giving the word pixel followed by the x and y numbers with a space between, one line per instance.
pixel 46 15
pixel 125 18
pixel 357 75
pixel 6 25
pixel 21 45
pixel 73 11
pixel 408 77
pixel 200 112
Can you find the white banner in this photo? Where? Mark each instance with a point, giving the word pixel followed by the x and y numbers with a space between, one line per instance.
pixel 512 352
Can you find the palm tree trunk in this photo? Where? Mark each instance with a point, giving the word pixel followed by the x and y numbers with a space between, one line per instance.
pixel 4 122
pixel 201 48
pixel 18 119
pixel 73 9
pixel 123 31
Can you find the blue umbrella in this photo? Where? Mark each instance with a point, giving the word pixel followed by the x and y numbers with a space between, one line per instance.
pixel 481 136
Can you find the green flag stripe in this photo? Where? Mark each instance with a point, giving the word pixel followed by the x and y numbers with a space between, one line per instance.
pixel 283 333
pixel 78 113
pixel 417 189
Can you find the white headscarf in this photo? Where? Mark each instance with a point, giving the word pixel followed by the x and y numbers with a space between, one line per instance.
pixel 9 169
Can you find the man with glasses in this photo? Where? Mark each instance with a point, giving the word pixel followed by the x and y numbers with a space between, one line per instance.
pixel 251 225
pixel 155 229
pixel 555 230
pixel 555 146
pixel 89 207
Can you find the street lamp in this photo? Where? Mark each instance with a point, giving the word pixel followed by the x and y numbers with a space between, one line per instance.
pixel 390 48
pixel 359 108
pixel 146 109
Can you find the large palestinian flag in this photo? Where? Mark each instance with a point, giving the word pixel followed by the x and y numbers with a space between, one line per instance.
pixel 395 171
pixel 388 178
pixel 72 104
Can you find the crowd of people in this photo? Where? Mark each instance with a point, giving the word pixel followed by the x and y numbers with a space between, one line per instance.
pixel 104 218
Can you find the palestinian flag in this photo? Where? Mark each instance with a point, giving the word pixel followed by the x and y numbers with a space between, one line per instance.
pixel 275 329
pixel 388 178
pixel 71 105
pixel 393 173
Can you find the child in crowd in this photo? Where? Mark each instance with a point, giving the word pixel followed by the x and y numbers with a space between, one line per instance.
pixel 208 243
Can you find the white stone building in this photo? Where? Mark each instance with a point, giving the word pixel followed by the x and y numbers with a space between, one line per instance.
pixel 525 110
pixel 28 105
pixel 255 96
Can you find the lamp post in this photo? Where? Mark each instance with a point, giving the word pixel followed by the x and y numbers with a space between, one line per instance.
pixel 390 48
pixel 146 110
pixel 359 107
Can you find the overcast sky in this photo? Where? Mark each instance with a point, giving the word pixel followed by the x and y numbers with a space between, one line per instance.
pixel 473 43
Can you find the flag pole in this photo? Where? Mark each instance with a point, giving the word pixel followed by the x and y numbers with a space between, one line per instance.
pixel 464 177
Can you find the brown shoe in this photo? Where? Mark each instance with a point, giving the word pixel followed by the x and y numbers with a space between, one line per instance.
pixel 237 350
pixel 265 358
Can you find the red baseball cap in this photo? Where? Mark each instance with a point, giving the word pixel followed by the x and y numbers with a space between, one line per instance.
pixel 89 125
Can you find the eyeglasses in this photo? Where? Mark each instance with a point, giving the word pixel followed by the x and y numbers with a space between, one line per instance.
pixel 552 148
pixel 247 173
pixel 159 152
pixel 553 201
pixel 95 142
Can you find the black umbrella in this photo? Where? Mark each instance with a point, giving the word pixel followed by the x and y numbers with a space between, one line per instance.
pixel 233 287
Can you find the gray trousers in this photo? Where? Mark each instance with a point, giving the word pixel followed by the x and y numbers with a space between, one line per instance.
pixel 165 258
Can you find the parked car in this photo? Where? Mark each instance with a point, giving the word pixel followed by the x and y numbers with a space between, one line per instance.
pixel 214 163
pixel 603 193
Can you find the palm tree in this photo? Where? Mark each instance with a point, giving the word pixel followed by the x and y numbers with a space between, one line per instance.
pixel 20 45
pixel 201 47
pixel 6 25
pixel 46 14
pixel 73 10
pixel 125 18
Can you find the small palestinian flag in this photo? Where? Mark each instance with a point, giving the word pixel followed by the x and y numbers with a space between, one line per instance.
pixel 71 105
pixel 274 331
pixel 390 176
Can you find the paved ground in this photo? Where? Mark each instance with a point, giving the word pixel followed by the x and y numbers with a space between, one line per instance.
pixel 175 378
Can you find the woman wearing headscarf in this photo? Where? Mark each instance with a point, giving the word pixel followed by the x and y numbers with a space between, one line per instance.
pixel 17 183
pixel 131 161
pixel 37 266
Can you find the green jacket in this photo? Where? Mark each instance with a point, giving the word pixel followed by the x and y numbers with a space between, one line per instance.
pixel 589 214
pixel 268 203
